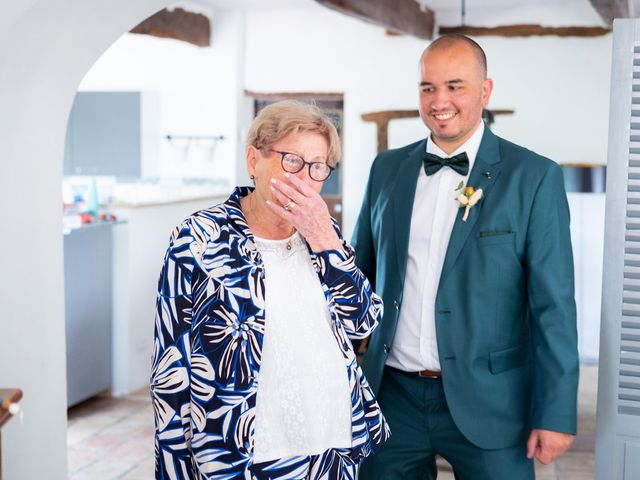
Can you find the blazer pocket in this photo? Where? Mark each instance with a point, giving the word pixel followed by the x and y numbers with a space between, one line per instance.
pixel 503 360
pixel 496 237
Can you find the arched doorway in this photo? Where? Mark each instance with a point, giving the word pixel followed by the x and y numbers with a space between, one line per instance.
pixel 46 47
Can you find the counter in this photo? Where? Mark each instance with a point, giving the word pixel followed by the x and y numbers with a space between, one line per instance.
pixel 88 306
pixel 139 246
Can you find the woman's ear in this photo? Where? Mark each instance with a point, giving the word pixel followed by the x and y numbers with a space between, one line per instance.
pixel 252 159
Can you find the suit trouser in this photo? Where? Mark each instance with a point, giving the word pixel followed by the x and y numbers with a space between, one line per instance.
pixel 333 464
pixel 422 426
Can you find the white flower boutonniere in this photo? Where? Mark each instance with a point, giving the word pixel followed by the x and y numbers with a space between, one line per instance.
pixel 468 197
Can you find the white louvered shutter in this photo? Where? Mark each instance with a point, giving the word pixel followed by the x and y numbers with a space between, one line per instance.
pixel 618 418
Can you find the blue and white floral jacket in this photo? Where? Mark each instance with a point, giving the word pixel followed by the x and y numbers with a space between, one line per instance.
pixel 210 323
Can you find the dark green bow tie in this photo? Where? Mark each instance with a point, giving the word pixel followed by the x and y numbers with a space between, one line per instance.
pixel 433 163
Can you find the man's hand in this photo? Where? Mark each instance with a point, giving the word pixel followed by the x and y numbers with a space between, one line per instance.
pixel 546 445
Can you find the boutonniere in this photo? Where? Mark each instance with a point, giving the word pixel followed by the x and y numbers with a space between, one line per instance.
pixel 467 198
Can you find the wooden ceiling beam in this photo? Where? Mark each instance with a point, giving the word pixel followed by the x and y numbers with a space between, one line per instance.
pixel 610 9
pixel 404 16
pixel 526 31
pixel 178 24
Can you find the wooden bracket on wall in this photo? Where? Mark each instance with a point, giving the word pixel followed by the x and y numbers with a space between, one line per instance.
pixel 382 119
pixel 179 24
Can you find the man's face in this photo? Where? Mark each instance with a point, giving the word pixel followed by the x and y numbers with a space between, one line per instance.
pixel 453 92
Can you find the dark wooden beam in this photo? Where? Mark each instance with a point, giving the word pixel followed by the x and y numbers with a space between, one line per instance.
pixel 526 31
pixel 610 9
pixel 404 16
pixel 178 24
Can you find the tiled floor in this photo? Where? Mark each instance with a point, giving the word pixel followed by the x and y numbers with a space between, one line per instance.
pixel 112 438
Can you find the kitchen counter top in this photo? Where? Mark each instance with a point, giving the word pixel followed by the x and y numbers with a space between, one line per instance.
pixel 71 223
pixel 122 210
pixel 157 203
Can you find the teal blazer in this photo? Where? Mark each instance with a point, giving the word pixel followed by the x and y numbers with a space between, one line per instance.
pixel 505 311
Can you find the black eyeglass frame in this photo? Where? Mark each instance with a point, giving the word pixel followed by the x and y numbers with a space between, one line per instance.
pixel 304 162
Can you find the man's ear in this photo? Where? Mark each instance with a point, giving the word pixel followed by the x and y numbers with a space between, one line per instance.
pixel 487 88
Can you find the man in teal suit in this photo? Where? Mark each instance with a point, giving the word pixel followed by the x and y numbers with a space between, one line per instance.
pixel 476 356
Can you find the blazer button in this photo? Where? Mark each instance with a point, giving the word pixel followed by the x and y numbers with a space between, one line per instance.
pixel 385 348
pixel 396 305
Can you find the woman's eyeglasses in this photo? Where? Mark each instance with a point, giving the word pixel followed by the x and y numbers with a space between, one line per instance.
pixel 293 163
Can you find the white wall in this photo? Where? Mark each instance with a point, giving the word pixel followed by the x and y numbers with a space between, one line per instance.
pixel 195 88
pixel 558 87
pixel 45 49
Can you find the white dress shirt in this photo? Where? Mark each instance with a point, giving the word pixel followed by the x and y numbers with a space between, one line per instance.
pixel 435 207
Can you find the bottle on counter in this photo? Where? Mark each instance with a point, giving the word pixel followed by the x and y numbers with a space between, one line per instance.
pixel 93 205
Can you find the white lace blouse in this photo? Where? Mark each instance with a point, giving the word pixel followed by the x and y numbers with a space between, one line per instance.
pixel 303 403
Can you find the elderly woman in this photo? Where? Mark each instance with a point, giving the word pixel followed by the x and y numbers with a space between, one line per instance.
pixel 254 376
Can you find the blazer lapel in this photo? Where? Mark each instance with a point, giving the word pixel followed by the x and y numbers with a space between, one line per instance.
pixel 403 196
pixel 485 172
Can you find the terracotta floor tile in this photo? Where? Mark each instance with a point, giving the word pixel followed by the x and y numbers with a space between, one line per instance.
pixel 83 430
pixel 106 441
pixel 106 469
pixel 128 427
pixel 135 450
pixel 576 476
pixel 546 470
pixel 144 471
pixel 79 458
pixel 576 462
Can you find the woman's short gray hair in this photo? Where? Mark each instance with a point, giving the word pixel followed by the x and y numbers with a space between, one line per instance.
pixel 276 121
